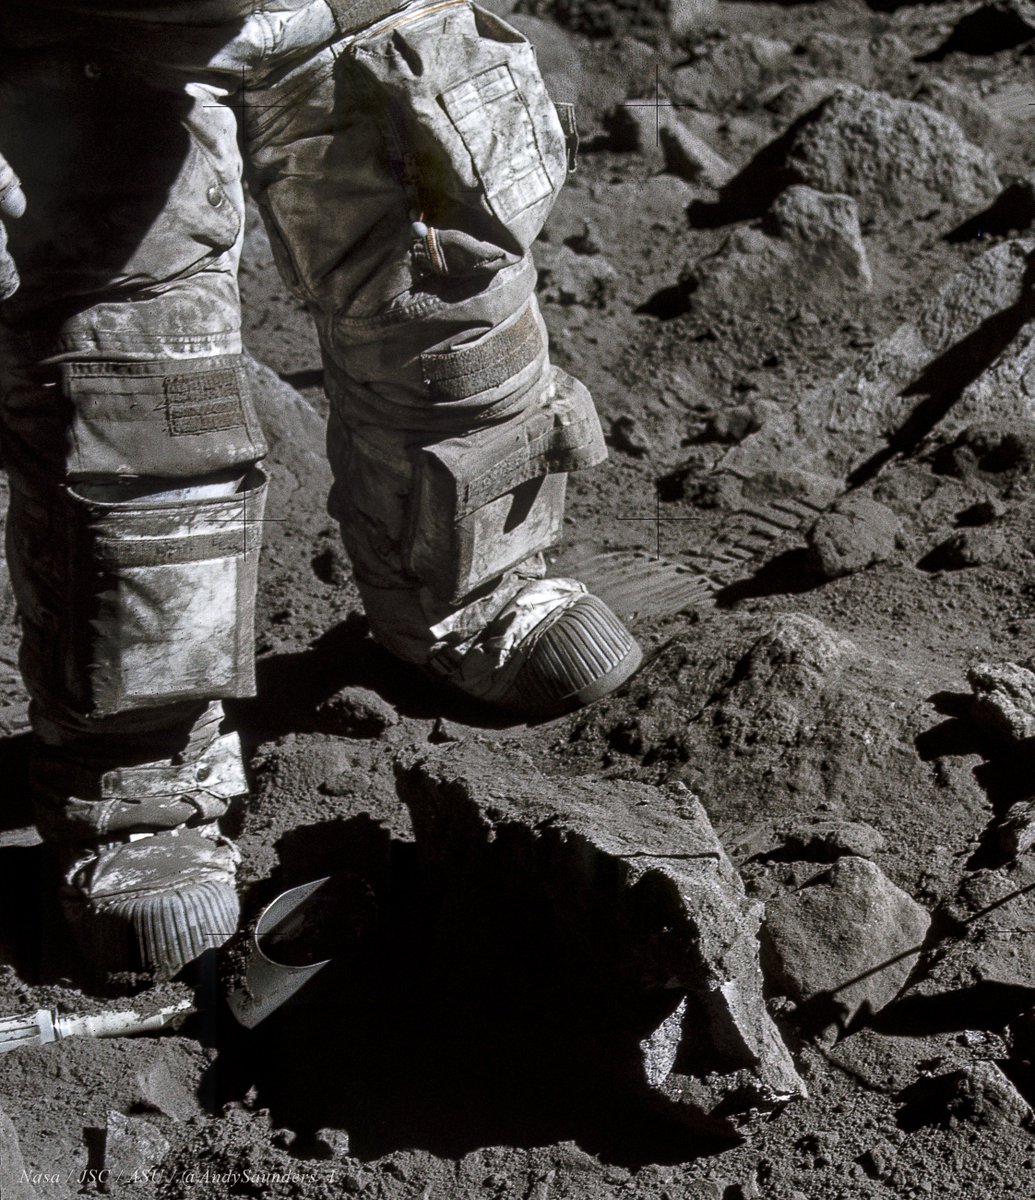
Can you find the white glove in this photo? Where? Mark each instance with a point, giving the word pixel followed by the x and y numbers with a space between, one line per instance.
pixel 12 205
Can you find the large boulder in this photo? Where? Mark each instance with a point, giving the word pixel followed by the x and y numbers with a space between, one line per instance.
pixel 615 905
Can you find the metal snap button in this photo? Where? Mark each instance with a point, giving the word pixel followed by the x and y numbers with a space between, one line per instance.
pixel 214 196
pixel 92 71
pixel 202 772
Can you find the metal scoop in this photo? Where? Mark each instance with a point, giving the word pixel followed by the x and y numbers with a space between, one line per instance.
pixel 294 938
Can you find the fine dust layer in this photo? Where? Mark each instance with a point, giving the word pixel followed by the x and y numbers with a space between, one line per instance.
pixel 795 267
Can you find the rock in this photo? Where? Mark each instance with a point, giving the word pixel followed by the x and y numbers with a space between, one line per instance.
pixel 735 66
pixel 158 1090
pixel 978 122
pixel 739 420
pixel 992 914
pixel 889 154
pixel 980 1094
pixel 619 894
pixel 854 59
pixel 791 100
pixel 850 938
pixel 356 712
pixel 818 840
pixel 133 1149
pixel 13 1182
pixel 566 277
pixel 855 534
pixel 295 431
pixel 1015 833
pixel 977 547
pixel 685 16
pixel 807 245
pixel 1012 212
pixel 1004 699
pixel 627 434
pixel 691 158
pixel 837 426
pixel 334 1142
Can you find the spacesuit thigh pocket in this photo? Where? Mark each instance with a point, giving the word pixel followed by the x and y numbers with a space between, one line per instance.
pixel 470 132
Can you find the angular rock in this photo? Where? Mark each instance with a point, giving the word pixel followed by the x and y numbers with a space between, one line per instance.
pixel 356 712
pixel 133 1148
pixel 891 155
pixel 857 60
pixel 158 1090
pixel 980 1094
pixel 734 423
pixel 978 122
pixel 792 100
pixel 807 244
pixel 855 534
pixel 1004 699
pixel 684 16
pixel 839 425
pixel 13 1185
pixel 1015 833
pixel 850 937
pixel 566 277
pixel 691 158
pixel 620 897
pixel 819 840
pixel 739 64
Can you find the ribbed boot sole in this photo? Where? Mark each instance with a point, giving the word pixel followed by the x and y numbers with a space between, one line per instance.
pixel 585 654
pixel 160 933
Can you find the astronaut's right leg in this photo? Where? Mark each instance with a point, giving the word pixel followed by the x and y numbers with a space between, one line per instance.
pixel 136 499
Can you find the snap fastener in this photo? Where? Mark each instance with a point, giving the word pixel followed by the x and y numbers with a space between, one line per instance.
pixel 92 71
pixel 214 196
pixel 202 772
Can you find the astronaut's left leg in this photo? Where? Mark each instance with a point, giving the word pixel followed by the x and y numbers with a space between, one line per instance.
pixel 403 174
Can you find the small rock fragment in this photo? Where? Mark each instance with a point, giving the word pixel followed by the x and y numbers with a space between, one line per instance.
pixel 854 534
pixel 627 434
pixel 356 712
pixel 1004 699
pixel 1015 833
pixel 159 1091
pixel 851 937
pixel 736 422
pixel 818 840
pixel 334 1142
pixel 980 1094
pixel 133 1147
pixel 566 277
pixel 684 16
pixel 691 158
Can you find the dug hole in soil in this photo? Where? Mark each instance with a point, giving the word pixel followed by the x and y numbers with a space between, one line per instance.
pixel 762 923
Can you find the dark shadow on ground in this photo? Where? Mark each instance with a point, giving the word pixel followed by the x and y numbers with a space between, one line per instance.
pixel 448 1026
pixel 291 687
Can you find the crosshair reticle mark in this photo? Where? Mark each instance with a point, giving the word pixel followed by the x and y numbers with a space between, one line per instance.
pixel 658 520
pixel 657 104
pixel 242 106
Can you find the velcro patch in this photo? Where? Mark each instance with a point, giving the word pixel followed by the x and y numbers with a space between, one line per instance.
pixel 202 402
pixel 457 374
